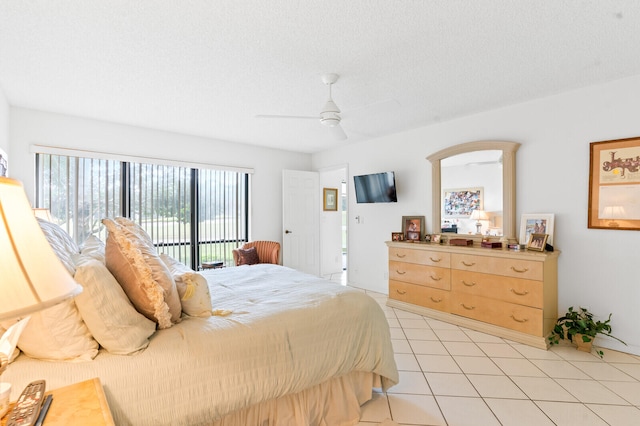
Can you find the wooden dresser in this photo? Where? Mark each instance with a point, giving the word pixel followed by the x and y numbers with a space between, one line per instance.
pixel 511 294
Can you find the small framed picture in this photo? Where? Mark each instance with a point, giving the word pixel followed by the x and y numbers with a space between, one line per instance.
pixel 427 238
pixel 541 223
pixel 397 236
pixel 435 238
pixel 413 227
pixel 537 242
pixel 330 199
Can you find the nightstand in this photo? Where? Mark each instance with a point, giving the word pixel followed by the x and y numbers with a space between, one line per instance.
pixel 82 403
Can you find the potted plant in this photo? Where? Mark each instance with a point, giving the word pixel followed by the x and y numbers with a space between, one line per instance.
pixel 579 327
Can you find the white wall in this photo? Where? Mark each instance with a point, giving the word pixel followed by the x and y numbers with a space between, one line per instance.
pixel 598 269
pixel 4 122
pixel 29 127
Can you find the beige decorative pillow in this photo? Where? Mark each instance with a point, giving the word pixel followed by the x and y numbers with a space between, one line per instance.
pixel 248 256
pixel 107 311
pixel 142 275
pixel 192 287
pixel 58 334
pixel 134 228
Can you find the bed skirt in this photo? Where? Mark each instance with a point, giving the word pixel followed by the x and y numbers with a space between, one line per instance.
pixel 335 402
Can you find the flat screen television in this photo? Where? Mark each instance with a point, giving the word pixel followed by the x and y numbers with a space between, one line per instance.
pixel 376 188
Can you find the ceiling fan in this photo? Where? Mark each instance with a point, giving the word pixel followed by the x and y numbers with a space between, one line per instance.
pixel 329 115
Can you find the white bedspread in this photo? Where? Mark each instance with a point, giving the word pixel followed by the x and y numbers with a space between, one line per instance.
pixel 286 331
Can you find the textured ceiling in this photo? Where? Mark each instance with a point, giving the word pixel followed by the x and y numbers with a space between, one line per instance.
pixel 207 68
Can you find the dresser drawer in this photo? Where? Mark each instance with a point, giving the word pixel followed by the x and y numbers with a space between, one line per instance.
pixel 423 257
pixel 504 314
pixel 513 290
pixel 518 268
pixel 419 295
pixel 420 274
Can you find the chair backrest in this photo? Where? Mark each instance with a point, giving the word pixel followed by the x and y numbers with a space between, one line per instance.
pixel 268 251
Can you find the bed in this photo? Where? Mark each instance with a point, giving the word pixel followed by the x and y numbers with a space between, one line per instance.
pixel 278 347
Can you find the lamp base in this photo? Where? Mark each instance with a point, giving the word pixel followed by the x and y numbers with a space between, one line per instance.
pixel 478 228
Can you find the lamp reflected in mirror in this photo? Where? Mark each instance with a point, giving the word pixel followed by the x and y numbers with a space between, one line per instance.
pixel 479 215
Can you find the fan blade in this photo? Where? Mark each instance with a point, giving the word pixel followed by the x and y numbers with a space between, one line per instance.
pixel 306 117
pixel 338 132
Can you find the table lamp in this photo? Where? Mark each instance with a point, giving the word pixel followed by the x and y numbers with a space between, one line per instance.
pixel 479 215
pixel 43 214
pixel 32 277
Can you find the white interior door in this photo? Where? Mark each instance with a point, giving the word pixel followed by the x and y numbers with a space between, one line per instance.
pixel 300 221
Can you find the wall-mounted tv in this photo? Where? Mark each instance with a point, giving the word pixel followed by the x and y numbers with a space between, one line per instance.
pixel 376 188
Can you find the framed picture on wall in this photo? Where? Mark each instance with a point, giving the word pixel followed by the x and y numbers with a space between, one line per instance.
pixel 541 223
pixel 614 184
pixel 462 202
pixel 413 227
pixel 330 199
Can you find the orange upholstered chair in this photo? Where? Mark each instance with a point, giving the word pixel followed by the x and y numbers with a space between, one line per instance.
pixel 268 251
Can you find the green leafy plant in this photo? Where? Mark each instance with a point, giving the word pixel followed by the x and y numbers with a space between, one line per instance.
pixel 580 322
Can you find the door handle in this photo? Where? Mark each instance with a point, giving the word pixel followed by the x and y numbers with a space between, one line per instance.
pixel 288 232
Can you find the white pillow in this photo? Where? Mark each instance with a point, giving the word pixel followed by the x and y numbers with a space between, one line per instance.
pixel 58 334
pixel 62 244
pixel 192 288
pixel 107 311
pixel 92 248
pixel 10 333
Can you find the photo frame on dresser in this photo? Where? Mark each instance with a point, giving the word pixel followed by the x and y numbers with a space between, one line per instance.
pixel 538 223
pixel 537 242
pixel 413 227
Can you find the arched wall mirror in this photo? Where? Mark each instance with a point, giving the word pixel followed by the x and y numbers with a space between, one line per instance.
pixel 475 176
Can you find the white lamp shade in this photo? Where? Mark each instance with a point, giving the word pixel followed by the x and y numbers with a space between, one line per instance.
pixel 479 215
pixel 32 277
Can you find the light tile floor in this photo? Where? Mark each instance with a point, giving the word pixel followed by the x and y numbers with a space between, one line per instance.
pixel 450 375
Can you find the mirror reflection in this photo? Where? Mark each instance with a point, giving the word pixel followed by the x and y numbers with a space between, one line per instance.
pixel 480 173
pixel 472 193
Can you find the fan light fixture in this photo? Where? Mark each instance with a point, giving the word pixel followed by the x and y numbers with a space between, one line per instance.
pixel 330 113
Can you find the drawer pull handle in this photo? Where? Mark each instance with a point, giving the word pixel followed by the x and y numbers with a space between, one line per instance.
pixel 401 256
pixel 400 272
pixel 471 284
pixel 435 260
pixel 401 292
pixel 436 278
pixel 468 264
pixel 519 270
pixel 524 293
pixel 519 320
pixel 435 300
pixel 468 308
